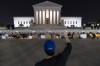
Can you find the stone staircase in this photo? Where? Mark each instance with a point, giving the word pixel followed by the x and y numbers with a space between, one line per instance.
pixel 46 26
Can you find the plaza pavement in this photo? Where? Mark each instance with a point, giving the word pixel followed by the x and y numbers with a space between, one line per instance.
pixel 85 52
pixel 51 30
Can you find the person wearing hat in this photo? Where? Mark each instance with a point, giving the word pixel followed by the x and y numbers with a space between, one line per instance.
pixel 52 59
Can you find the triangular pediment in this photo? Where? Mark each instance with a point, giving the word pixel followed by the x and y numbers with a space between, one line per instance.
pixel 47 3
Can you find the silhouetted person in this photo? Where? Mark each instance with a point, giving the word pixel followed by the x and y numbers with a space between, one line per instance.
pixel 69 35
pixel 58 60
pixel 8 26
pixel 95 26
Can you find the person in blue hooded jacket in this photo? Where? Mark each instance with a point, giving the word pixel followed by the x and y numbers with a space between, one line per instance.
pixel 52 59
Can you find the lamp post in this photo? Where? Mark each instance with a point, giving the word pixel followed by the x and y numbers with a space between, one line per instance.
pixel 98 26
pixel 84 25
pixel 92 26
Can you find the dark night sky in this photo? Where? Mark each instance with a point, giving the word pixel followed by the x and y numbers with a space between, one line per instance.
pixel 88 9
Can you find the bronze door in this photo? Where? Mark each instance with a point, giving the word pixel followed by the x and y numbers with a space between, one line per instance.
pixel 47 21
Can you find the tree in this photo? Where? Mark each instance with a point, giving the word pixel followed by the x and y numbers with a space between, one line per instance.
pixel 2 24
pixel 98 21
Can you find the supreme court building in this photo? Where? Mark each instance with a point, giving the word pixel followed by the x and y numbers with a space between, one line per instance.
pixel 47 13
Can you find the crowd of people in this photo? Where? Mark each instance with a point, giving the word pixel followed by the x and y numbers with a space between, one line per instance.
pixel 92 26
pixel 49 35
pixel 84 35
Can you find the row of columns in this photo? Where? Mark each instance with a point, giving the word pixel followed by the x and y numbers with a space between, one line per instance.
pixel 41 16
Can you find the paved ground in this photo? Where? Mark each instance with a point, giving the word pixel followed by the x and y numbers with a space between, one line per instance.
pixel 51 30
pixel 28 52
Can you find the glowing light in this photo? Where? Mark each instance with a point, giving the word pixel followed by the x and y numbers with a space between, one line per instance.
pixel 47 13
pixel 57 17
pixel 40 17
pixel 37 17
pixel 50 16
pixel 54 16
pixel 43 16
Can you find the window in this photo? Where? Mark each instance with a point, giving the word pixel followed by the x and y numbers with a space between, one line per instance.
pixel 18 22
pixel 65 22
pixel 24 22
pixel 76 22
pixel 70 22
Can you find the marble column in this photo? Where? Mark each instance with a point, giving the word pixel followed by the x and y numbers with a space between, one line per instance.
pixel 36 16
pixel 58 16
pixel 43 16
pixel 52 17
pixel 39 16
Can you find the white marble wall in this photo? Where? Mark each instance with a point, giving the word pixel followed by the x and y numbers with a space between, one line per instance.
pixel 24 20
pixel 69 20
pixel 76 21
